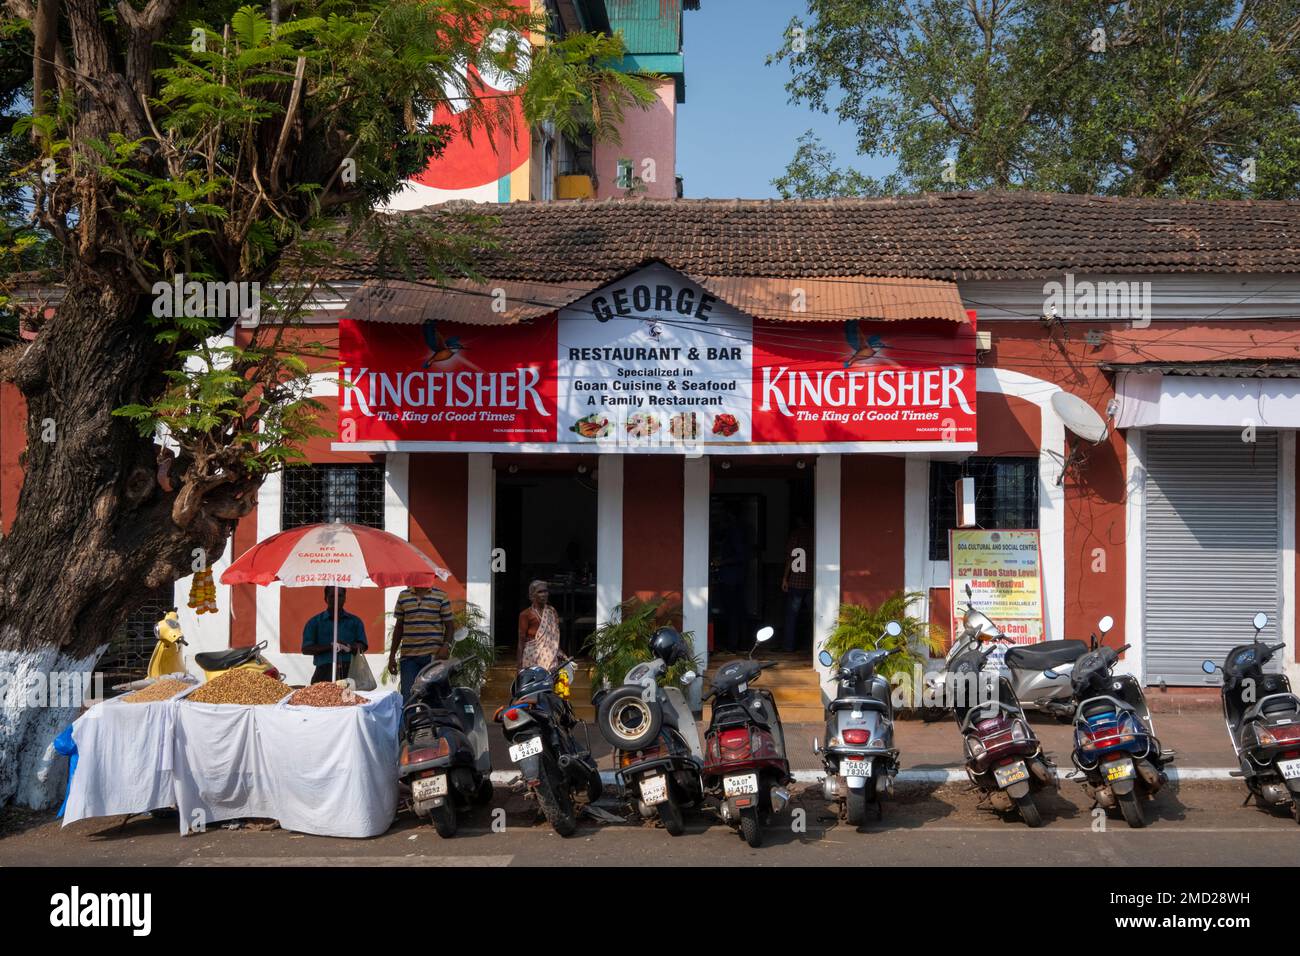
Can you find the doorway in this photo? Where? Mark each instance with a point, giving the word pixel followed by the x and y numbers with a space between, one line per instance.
pixel 761 553
pixel 545 529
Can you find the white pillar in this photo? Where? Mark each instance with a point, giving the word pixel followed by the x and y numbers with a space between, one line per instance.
pixel 609 536
pixel 826 548
pixel 479 525
pixel 1286 448
pixel 695 557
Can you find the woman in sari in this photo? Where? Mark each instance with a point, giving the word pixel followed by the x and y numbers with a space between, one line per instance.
pixel 539 630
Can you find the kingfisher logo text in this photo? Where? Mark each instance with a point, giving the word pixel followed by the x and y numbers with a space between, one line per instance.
pixel 375 392
pixel 76 909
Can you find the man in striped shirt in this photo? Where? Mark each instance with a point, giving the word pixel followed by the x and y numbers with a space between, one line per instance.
pixel 422 633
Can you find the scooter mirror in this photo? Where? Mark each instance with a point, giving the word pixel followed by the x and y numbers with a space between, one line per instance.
pixel 1261 621
pixel 460 635
pixel 893 629
pixel 1050 674
pixel 968 591
pixel 764 634
pixel 1105 624
pixel 688 678
pixel 1209 666
pixel 825 659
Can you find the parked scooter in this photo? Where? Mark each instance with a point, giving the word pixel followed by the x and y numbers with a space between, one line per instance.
pixel 1115 747
pixel 539 724
pixel 216 663
pixel 444 766
pixel 1025 666
pixel 1004 758
pixel 745 765
pixel 1263 719
pixel 860 758
pixel 654 736
pixel 167 657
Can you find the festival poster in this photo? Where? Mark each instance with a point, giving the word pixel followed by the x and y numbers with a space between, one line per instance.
pixel 1004 571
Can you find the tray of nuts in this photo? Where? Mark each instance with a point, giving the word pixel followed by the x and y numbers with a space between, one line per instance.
pixel 163 689
pixel 241 686
pixel 325 695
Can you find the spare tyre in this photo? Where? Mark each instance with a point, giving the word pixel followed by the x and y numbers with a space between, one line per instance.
pixel 628 721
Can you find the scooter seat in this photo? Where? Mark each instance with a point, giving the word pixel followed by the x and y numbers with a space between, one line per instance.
pixel 225 660
pixel 1044 654
pixel 857 703
pixel 1273 706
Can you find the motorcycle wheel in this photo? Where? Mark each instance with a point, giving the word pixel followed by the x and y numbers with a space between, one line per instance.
pixel 1029 811
pixel 595 789
pixel 444 818
pixel 484 792
pixel 750 828
pixel 556 800
pixel 856 805
pixel 1130 804
pixel 670 815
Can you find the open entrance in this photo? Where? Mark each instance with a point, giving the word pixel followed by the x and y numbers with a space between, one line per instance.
pixel 545 530
pixel 761 553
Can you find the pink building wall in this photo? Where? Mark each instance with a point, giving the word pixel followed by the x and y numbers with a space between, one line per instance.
pixel 649 133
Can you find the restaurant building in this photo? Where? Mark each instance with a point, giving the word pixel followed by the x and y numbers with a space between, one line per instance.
pixel 655 398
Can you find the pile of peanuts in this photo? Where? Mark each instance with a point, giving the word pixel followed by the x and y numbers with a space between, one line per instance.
pixel 326 695
pixel 240 686
pixel 164 689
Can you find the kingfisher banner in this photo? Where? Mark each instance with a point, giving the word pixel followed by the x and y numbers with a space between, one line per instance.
pixel 656 362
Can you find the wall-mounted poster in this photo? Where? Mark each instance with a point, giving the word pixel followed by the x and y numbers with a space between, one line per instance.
pixel 1004 571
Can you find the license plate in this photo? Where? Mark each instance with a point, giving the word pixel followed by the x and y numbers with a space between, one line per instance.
pixel 529 748
pixel 426 788
pixel 1119 771
pixel 1290 769
pixel 740 786
pixel 654 790
pixel 1009 774
pixel 855 768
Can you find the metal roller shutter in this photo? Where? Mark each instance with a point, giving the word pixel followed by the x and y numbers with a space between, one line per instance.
pixel 1212 550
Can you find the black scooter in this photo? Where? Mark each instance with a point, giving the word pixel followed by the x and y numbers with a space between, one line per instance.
pixel 444 766
pixel 653 733
pixel 540 725
pixel 1263 719
pixel 1115 746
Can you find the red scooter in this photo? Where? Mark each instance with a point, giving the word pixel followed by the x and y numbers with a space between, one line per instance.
pixel 745 766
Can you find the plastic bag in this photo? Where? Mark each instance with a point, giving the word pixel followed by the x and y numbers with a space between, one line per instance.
pixel 360 673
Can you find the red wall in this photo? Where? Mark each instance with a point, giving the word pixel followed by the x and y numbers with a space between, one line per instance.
pixel 439 496
pixel 871 527
pixel 13 440
pixel 653 495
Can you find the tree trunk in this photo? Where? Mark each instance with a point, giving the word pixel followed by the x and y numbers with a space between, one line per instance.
pixel 93 532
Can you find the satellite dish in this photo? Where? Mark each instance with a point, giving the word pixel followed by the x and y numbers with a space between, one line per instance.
pixel 1079 417
pixel 1083 421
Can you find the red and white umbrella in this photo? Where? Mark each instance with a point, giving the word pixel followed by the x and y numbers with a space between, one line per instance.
pixel 337 554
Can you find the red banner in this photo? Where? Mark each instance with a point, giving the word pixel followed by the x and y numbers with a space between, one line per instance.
pixel 864 381
pixel 442 382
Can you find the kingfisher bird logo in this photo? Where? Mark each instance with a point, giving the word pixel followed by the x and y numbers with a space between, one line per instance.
pixel 440 349
pixel 870 351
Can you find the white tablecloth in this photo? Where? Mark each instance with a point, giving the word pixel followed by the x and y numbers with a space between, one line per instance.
pixel 124 760
pixel 330 771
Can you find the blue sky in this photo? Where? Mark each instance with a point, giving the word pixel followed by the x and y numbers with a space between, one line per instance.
pixel 736 131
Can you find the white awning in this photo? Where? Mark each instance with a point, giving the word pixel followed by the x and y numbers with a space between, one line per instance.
pixel 1153 399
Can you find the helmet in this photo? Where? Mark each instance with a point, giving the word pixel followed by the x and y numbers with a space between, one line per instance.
pixel 668 645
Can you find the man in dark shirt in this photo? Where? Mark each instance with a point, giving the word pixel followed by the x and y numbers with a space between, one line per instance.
pixel 318 638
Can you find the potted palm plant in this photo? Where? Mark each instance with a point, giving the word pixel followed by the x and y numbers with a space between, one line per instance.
pixel 622 642
pixel 863 626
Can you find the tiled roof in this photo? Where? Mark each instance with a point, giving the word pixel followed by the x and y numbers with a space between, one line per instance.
pixel 947 236
pixel 1236 368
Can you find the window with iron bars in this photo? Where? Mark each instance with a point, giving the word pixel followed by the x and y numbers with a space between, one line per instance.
pixel 1006 496
pixel 321 493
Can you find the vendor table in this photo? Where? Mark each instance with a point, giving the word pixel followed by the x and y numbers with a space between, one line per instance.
pixel 329 771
